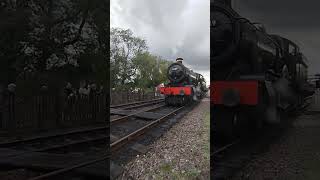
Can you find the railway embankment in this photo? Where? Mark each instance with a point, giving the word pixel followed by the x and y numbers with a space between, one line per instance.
pixel 182 152
pixel 295 155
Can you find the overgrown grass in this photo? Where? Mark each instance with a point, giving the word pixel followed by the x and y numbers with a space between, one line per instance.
pixel 167 172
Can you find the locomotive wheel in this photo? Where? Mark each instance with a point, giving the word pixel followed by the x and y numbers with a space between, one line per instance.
pixel 282 115
pixel 173 101
pixel 240 124
pixel 179 99
pixel 187 100
pixel 183 100
pixel 229 123
pixel 176 101
pixel 256 120
pixel 167 101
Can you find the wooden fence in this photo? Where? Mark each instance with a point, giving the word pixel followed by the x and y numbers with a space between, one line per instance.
pixel 126 97
pixel 47 111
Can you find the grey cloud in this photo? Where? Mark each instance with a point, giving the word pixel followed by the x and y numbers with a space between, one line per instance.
pixel 284 13
pixel 171 28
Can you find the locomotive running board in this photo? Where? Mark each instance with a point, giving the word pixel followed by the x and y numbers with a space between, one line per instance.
pixel 253 77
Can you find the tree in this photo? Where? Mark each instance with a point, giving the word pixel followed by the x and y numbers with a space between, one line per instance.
pixel 150 70
pixel 132 67
pixel 61 36
pixel 124 47
pixel 14 29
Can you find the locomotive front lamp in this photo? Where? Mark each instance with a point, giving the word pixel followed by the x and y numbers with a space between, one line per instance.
pixel 181 92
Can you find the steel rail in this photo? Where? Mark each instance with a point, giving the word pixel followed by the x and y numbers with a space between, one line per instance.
pixel 72 132
pixel 112 121
pixel 11 143
pixel 122 141
pixel 72 143
pixel 137 102
pixel 64 170
pixel 142 105
pixel 225 147
pixel 61 146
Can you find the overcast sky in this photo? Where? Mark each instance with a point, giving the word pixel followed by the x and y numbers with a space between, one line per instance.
pixel 296 20
pixel 172 28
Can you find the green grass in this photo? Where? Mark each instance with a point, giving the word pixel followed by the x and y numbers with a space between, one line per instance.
pixel 167 173
pixel 166 168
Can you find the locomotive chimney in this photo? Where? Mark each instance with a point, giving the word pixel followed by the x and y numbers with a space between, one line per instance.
pixel 226 2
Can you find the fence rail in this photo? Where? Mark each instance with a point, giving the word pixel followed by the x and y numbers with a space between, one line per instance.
pixel 47 111
pixel 127 97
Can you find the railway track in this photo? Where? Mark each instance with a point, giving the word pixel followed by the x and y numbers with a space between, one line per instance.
pixel 144 125
pixel 56 141
pixel 78 152
pixel 72 138
pixel 79 136
pixel 229 158
pixel 131 114
pixel 75 170
pixel 137 104
pixel 66 154
pixel 132 108
pixel 62 171
pixel 224 148
pixel 132 136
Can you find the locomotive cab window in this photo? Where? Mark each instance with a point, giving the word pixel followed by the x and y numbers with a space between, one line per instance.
pixel 213 23
pixel 292 49
pixel 300 71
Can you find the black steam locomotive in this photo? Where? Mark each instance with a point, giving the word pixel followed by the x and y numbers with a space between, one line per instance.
pixel 184 85
pixel 256 76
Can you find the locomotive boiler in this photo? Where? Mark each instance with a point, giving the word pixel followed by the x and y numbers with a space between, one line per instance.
pixel 257 77
pixel 184 85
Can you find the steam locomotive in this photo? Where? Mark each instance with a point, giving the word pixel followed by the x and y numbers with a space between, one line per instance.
pixel 184 85
pixel 257 77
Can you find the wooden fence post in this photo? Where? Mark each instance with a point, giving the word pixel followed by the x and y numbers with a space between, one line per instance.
pixel 2 107
pixel 11 112
pixel 57 106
